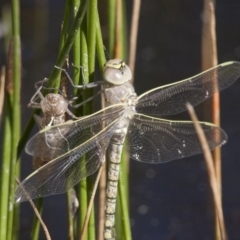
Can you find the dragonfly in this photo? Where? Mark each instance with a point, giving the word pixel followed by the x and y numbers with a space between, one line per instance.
pixel 135 121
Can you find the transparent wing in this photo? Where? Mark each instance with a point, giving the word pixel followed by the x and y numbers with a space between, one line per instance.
pixel 171 99
pixel 154 140
pixel 64 172
pixel 59 139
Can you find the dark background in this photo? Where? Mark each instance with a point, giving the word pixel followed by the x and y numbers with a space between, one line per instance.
pixel 170 201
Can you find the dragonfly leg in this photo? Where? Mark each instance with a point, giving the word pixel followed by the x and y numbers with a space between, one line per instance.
pixel 84 85
pixel 38 94
pixel 85 101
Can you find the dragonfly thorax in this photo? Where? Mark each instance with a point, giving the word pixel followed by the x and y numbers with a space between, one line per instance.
pixel 120 94
pixel 54 104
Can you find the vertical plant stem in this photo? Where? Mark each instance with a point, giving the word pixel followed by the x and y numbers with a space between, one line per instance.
pixel 124 208
pixel 83 198
pixel 209 60
pixel 118 30
pixel 100 46
pixel 133 35
pixel 91 37
pixel 5 169
pixel 111 27
pixel 76 52
pixel 16 210
pixel 16 77
pixel 6 156
pixel 124 38
pixel 91 225
pixel 91 42
pixel 83 205
pixel 91 202
pixel 70 213
pixel 2 93
pixel 211 172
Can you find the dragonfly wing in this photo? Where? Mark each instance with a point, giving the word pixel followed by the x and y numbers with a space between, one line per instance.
pixel 171 99
pixel 154 140
pixel 67 170
pixel 59 139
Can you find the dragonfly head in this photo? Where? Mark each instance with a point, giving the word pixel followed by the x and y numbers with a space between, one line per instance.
pixel 116 72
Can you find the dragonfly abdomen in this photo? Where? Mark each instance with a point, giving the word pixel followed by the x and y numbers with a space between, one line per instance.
pixel 115 151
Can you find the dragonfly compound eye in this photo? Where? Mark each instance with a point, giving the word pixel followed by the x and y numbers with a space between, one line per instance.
pixel 117 72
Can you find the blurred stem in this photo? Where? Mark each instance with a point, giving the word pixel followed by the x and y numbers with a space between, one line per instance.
pixel 124 32
pixel 133 35
pixel 7 22
pixel 111 27
pixel 15 103
pixel 120 49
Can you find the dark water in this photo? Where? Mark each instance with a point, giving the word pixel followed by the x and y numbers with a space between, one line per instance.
pixel 170 201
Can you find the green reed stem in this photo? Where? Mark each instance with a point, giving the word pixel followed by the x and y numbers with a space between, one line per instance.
pixel 5 169
pixel 83 195
pixel 99 45
pixel 91 42
pixel 15 107
pixel 111 27
pixel 123 197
